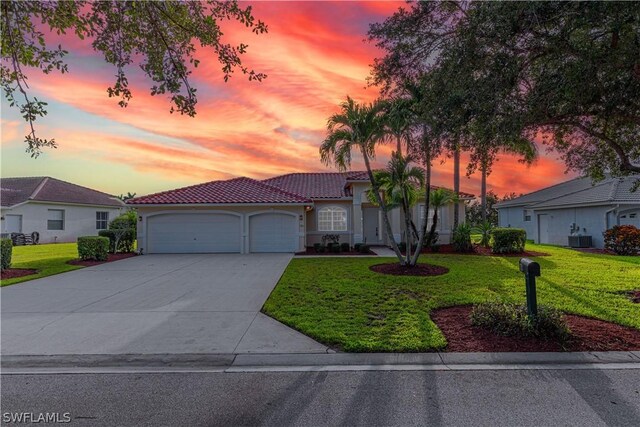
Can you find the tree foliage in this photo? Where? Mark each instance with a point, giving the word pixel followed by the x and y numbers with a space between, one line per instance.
pixel 566 73
pixel 159 37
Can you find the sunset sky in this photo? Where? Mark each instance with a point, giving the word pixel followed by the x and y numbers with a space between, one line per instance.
pixel 314 55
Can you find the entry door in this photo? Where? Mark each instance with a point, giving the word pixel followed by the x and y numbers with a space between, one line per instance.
pixel 13 223
pixel 543 227
pixel 370 225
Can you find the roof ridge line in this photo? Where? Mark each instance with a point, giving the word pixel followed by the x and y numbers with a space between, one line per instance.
pixel 38 188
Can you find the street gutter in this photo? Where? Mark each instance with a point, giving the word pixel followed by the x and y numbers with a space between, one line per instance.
pixel 230 363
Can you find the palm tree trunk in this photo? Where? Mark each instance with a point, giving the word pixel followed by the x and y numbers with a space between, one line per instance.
pixel 456 184
pixel 407 221
pixel 427 201
pixel 432 231
pixel 483 191
pixel 399 147
pixel 383 206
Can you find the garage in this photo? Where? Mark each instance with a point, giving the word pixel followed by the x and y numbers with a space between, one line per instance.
pixel 631 218
pixel 194 233
pixel 273 232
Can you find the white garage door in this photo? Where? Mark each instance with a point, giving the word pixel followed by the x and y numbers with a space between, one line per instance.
pixel 193 233
pixel 273 232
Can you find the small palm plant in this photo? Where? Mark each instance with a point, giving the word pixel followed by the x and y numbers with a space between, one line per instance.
pixel 439 197
pixel 484 229
pixel 399 184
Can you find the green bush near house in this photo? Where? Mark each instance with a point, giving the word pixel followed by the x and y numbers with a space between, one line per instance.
pixel 95 248
pixel 345 247
pixel 508 240
pixel 6 250
pixel 122 232
pixel 461 238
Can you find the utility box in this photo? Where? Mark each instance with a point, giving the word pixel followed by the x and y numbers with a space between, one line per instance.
pixel 580 241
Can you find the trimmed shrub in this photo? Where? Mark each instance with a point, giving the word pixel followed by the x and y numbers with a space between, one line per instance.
pixel 316 247
pixel 356 247
pixel 123 230
pixel 623 240
pixel 461 238
pixel 508 240
pixel 345 247
pixel 512 320
pixel 364 249
pixel 6 250
pixel 321 249
pixel 94 248
pixel 334 248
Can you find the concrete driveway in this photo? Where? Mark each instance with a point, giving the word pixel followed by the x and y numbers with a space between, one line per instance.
pixel 152 304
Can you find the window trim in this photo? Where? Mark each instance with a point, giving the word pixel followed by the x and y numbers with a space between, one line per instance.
pixel 333 209
pixel 105 220
pixel 55 220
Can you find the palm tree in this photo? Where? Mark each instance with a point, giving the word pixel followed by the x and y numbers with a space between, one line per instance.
pixel 400 183
pixel 398 118
pixel 361 127
pixel 439 197
pixel 456 182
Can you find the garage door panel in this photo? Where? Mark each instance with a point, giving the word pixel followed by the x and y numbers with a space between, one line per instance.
pixel 194 233
pixel 273 232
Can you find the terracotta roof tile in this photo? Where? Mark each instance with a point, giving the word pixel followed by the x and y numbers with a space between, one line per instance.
pixel 238 190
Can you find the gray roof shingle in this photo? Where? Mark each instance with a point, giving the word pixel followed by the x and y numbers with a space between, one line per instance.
pixel 47 189
pixel 609 191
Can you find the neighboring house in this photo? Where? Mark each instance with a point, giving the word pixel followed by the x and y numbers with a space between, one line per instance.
pixel 59 211
pixel 281 214
pixel 551 214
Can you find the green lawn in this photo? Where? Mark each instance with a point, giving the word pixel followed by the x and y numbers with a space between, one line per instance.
pixel 340 302
pixel 47 259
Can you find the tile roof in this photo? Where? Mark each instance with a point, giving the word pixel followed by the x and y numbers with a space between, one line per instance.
pixel 47 189
pixel 322 185
pixel 609 191
pixel 237 190
pixel 290 188
pixel 552 192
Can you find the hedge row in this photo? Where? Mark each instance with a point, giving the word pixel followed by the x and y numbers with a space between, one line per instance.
pixel 6 249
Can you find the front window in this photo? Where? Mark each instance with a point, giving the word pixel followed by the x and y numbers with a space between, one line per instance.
pixel 55 219
pixel 527 215
pixel 332 219
pixel 102 220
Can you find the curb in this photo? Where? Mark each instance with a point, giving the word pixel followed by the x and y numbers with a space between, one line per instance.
pixel 107 363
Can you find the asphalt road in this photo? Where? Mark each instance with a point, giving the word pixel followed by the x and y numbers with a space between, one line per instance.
pixel 459 398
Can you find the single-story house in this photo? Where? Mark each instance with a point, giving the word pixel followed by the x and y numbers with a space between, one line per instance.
pixel 281 214
pixel 57 210
pixel 575 207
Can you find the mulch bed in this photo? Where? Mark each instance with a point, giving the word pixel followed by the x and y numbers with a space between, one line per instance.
pixel 481 250
pixel 12 273
pixel 112 257
pixel 588 335
pixel 396 269
pixel 312 251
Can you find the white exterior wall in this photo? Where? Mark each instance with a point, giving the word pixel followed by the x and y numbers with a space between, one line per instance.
pixel 245 212
pixel 591 220
pixel 79 220
pixel 514 217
